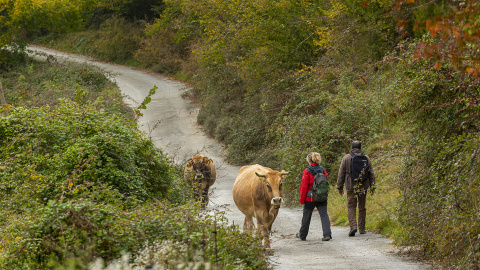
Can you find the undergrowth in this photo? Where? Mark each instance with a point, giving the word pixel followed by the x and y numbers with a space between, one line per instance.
pixel 81 186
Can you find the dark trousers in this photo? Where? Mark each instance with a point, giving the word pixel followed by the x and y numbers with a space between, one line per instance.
pixel 308 208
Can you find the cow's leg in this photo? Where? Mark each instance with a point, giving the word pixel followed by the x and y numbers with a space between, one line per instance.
pixel 272 216
pixel 263 227
pixel 205 197
pixel 248 223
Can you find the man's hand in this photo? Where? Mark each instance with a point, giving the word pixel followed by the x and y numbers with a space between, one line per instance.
pixel 372 191
pixel 340 192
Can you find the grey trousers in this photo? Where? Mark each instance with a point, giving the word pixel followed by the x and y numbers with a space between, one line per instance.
pixel 308 208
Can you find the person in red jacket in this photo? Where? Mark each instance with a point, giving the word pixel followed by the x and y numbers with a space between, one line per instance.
pixel 309 204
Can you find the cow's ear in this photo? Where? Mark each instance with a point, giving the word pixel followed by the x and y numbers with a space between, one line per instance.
pixel 189 163
pixel 207 161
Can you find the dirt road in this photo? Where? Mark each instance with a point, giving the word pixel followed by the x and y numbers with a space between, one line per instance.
pixel 170 121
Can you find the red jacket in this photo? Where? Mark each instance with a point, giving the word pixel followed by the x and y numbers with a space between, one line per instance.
pixel 306 185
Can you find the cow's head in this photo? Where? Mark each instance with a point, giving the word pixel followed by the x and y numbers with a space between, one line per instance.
pixel 199 166
pixel 273 181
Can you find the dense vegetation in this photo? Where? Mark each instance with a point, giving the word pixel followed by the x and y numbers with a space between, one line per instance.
pixel 278 79
pixel 80 185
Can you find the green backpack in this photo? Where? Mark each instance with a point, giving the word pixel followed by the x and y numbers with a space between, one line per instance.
pixel 320 187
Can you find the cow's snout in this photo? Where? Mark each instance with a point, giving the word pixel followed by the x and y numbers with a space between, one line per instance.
pixel 277 201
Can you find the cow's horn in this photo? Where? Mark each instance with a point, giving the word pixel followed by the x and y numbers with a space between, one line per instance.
pixel 259 175
pixel 207 160
pixel 284 173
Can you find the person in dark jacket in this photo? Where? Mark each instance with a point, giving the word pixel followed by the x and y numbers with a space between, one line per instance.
pixel 356 194
pixel 309 204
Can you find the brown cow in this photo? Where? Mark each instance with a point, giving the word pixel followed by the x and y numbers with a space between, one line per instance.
pixel 200 174
pixel 257 192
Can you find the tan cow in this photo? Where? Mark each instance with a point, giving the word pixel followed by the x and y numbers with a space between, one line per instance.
pixel 257 192
pixel 200 174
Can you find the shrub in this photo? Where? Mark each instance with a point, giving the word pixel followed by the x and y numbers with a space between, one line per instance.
pixel 57 153
pixel 158 53
pixel 9 59
pixel 80 184
pixel 444 194
pixel 77 234
pixel 438 108
pixel 39 84
pixel 115 40
pixel 119 40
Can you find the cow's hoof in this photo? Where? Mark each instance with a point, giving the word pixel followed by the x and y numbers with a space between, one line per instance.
pixel 269 251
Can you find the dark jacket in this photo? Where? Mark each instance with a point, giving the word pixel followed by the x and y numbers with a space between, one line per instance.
pixel 307 183
pixel 344 176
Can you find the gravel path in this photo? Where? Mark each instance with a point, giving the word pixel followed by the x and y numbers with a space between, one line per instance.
pixel 170 121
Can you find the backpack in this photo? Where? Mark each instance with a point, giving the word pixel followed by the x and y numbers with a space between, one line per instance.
pixel 320 185
pixel 359 169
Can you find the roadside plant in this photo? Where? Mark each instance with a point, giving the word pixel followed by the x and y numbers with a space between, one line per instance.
pixel 66 150
pixel 82 235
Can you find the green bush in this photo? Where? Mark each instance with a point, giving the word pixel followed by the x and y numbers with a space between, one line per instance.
pixel 119 40
pixel 80 183
pixel 66 149
pixel 444 194
pixel 115 40
pixel 9 59
pixel 39 84
pixel 77 234
pixel 440 177
pixel 159 54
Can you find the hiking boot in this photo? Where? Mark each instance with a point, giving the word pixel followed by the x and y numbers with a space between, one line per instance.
pixel 298 236
pixel 326 238
pixel 363 232
pixel 352 231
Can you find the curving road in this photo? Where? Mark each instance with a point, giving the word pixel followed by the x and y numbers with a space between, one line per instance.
pixel 170 121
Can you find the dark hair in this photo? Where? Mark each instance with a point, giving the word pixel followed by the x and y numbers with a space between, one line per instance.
pixel 356 144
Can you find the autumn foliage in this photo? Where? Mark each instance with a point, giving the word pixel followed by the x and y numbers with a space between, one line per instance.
pixel 455 33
